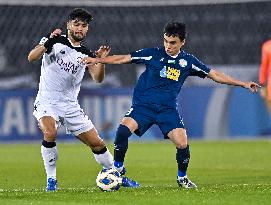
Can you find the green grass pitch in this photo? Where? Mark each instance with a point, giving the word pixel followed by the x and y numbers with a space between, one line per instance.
pixel 226 172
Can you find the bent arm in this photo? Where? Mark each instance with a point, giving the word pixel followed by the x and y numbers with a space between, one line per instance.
pixel 97 72
pixel 36 53
pixel 45 43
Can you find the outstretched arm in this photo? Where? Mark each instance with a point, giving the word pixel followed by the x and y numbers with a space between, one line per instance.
pixel 115 59
pixel 222 78
pixel 39 50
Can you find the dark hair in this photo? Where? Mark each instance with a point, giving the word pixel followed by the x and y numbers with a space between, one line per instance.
pixel 80 14
pixel 175 28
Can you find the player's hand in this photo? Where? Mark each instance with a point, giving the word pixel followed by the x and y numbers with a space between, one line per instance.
pixel 89 61
pixel 253 87
pixel 103 51
pixel 55 33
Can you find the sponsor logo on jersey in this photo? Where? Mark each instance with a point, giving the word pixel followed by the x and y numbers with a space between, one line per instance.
pixel 182 63
pixel 170 73
pixel 171 61
pixel 67 66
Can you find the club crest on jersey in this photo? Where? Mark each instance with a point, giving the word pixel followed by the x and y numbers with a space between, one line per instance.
pixel 170 73
pixel 79 60
pixel 182 63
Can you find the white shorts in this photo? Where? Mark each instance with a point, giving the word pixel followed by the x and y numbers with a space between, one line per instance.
pixel 68 114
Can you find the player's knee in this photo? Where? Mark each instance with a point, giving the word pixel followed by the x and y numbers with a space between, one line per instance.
pixel 181 144
pixel 122 135
pixel 97 145
pixel 50 133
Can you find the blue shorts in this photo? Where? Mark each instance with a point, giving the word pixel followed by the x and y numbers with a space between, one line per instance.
pixel 166 118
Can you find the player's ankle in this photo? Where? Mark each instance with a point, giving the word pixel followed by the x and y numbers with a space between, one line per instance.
pixel 119 166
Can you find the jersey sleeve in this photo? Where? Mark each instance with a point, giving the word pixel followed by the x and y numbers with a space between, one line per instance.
pixel 142 56
pixel 43 40
pixel 198 68
pixel 55 40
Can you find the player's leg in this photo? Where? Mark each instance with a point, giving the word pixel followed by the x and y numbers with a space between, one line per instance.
pixel 79 124
pixel 98 147
pixel 137 120
pixel 179 137
pixel 171 124
pixel 102 154
pixel 126 128
pixel 49 152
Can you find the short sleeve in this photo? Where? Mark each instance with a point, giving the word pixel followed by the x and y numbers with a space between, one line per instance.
pixel 198 68
pixel 142 56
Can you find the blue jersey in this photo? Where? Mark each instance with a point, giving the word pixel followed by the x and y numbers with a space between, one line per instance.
pixel 164 76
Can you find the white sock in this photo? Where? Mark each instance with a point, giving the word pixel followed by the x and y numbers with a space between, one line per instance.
pixel 49 156
pixel 105 159
pixel 182 177
pixel 119 169
pixel 118 166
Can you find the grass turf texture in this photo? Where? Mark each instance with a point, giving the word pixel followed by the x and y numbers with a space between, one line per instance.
pixel 228 172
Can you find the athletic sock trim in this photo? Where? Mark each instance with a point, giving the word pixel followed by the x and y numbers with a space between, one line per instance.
pixel 102 151
pixel 48 144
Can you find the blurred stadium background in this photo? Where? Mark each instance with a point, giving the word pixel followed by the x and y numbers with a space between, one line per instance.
pixel 226 35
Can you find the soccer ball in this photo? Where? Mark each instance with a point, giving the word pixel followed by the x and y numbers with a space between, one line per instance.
pixel 109 180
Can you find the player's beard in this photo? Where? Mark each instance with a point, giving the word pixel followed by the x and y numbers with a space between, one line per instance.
pixel 77 37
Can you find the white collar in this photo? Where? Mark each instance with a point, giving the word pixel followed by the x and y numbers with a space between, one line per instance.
pixel 175 56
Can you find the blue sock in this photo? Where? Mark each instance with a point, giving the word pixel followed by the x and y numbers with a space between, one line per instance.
pixel 118 164
pixel 181 174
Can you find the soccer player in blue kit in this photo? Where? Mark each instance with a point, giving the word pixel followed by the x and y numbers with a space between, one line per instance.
pixel 155 95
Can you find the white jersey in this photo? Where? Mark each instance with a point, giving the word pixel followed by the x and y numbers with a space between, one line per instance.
pixel 62 70
pixel 60 81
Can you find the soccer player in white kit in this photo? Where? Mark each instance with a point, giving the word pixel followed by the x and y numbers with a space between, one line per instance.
pixel 56 102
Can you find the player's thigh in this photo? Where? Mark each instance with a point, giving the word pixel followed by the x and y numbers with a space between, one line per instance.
pixel 139 119
pixel 130 123
pixel 48 126
pixel 179 137
pixel 76 121
pixel 169 120
pixel 47 116
pixel 91 138
pixel 79 124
